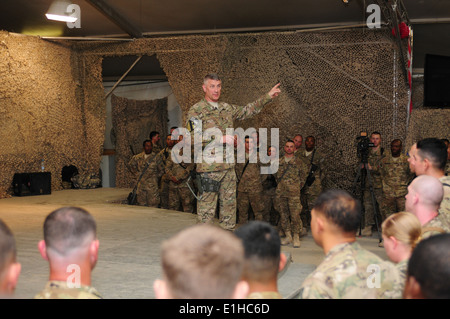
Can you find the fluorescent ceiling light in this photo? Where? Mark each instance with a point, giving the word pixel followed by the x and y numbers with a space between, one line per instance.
pixel 58 12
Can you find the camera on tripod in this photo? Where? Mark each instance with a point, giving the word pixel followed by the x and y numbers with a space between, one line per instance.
pixel 363 146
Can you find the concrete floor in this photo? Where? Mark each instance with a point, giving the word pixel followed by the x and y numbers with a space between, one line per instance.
pixel 130 237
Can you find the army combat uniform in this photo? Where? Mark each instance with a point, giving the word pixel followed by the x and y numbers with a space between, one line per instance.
pixel 164 181
pixel 147 193
pixel 314 162
pixel 438 225
pixel 395 178
pixel 250 191
pixel 351 272
pixel 179 193
pixel 374 160
pixel 202 116
pixel 444 209
pixel 290 178
pixel 59 290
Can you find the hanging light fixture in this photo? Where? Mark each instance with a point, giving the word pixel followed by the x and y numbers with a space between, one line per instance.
pixel 58 11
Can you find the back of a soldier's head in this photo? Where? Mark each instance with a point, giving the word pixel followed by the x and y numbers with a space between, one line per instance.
pixel 8 265
pixel 262 246
pixel 340 209
pixel 428 274
pixel 68 229
pixel 201 262
pixel 424 190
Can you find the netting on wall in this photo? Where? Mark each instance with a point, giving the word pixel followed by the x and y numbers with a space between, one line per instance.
pixel 133 120
pixel 334 83
pixel 49 110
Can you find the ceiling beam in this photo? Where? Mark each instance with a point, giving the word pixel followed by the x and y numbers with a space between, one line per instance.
pixel 116 17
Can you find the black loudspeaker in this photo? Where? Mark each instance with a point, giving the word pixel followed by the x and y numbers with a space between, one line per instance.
pixel 29 184
pixel 437 81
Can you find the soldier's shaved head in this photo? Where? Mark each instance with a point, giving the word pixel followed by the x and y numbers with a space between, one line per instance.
pixel 429 190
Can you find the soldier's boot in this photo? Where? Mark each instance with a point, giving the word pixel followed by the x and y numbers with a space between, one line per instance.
pixel 281 233
pixel 296 241
pixel 287 240
pixel 304 232
pixel 367 231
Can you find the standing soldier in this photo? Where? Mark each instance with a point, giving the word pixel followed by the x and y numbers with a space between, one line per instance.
pixel 147 168
pixel 373 161
pixel 313 160
pixel 164 154
pixel 155 138
pixel 178 173
pixel 250 189
pixel 395 178
pixel 290 178
pixel 298 141
pixel 219 178
pixel 270 186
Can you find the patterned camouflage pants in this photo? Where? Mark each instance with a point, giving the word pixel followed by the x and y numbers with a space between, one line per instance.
pixel 391 205
pixel 164 193
pixel 148 196
pixel 308 198
pixel 369 209
pixel 206 207
pixel 181 196
pixel 289 209
pixel 256 201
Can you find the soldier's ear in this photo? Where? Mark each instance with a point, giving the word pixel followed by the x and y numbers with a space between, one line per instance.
pixel 241 290
pixel 161 290
pixel 43 249
pixel 412 289
pixel 283 261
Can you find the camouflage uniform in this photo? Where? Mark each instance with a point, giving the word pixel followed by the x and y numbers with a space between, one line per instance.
pixel 250 191
pixel 436 226
pixel 309 194
pixel 447 168
pixel 156 148
pixel 147 193
pixel 180 193
pixel 444 210
pixel 221 118
pixel 374 160
pixel 395 177
pixel 59 290
pixel 346 273
pixel 290 178
pixel 164 181
pixel 269 189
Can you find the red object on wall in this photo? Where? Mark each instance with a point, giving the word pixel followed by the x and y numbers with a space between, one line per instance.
pixel 404 30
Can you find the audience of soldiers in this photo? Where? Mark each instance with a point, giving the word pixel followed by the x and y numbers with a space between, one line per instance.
pixel 414 221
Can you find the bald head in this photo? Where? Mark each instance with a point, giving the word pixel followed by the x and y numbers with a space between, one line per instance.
pixel 426 191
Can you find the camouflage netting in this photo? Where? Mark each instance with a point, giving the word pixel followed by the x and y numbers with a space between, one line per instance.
pixel 426 122
pixel 50 109
pixel 335 84
pixel 133 120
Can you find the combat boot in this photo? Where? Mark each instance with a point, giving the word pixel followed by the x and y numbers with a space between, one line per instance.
pixel 287 240
pixel 367 231
pixel 296 241
pixel 304 232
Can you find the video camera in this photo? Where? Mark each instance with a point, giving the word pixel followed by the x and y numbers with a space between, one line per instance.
pixel 363 146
